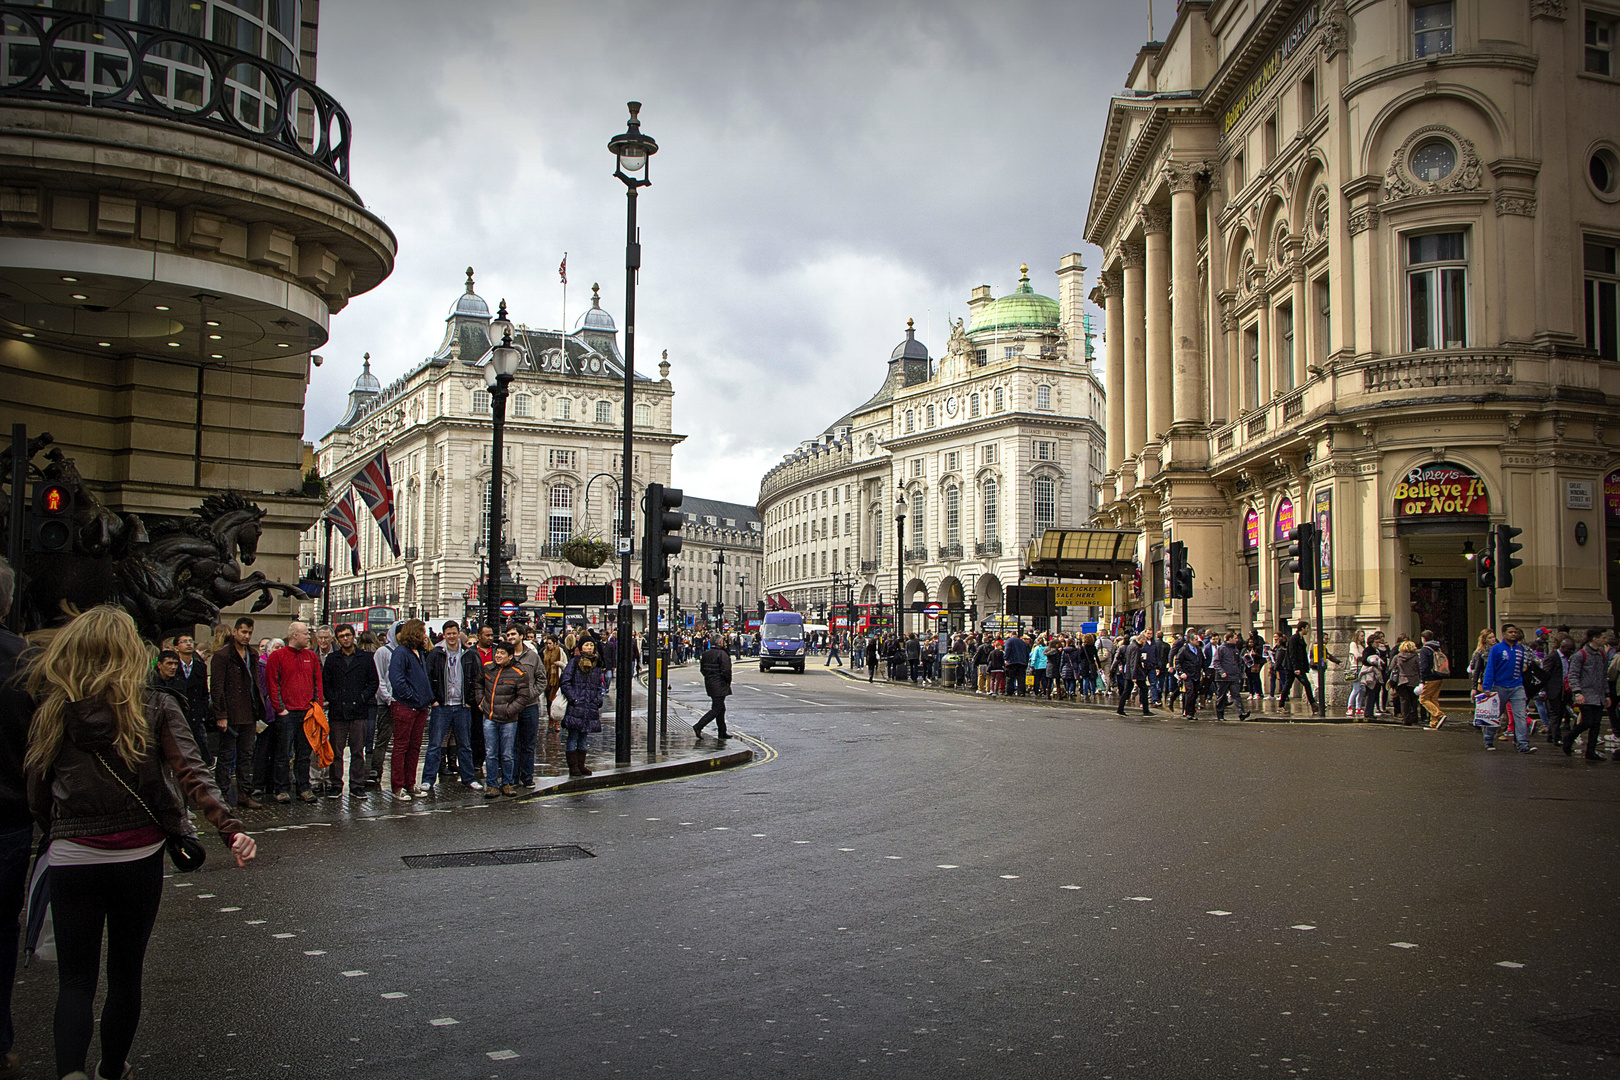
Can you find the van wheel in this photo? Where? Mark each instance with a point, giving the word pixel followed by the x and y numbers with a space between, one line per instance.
pixel 764 666
pixel 798 669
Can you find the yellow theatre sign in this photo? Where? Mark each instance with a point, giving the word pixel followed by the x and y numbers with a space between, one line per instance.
pixel 1273 64
pixel 1093 594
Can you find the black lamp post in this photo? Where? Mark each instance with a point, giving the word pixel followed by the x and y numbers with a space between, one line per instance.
pixel 742 598
pixel 719 590
pixel 631 151
pixel 899 562
pixel 834 605
pixel 498 375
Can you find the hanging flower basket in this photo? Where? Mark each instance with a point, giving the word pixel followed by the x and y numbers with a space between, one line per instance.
pixel 586 553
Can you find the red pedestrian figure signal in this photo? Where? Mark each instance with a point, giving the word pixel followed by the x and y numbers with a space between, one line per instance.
pixel 52 531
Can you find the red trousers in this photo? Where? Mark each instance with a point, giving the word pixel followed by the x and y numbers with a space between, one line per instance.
pixel 409 726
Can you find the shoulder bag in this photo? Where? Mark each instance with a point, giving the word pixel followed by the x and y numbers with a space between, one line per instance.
pixel 185 852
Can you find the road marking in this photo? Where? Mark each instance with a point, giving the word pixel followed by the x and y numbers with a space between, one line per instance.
pixel 947 866
pixel 353 974
pixel 283 935
pixel 257 922
pixel 846 849
pixel 1144 898
pixel 762 834
pixel 230 909
pixel 1069 886
pixel 1402 945
pixel 796 841
pixel 314 952
pixel 818 704
pixel 1010 877
pixel 1217 913
pixel 1508 964
pixel 444 1021
pixel 395 995
pixel 1302 926
pixel 501 1055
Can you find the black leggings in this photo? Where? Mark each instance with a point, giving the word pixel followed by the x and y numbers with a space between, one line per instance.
pixel 124 897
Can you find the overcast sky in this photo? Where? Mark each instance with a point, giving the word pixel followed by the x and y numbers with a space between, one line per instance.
pixel 827 169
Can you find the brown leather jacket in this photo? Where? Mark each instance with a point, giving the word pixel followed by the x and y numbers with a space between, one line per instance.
pixel 234 686
pixel 77 797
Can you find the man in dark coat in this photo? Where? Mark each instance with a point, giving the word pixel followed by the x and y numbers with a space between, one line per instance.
pixel 237 707
pixel 871 656
pixel 1133 673
pixel 1228 669
pixel 1299 666
pixel 715 666
pixel 16 822
pixel 194 674
pixel 350 678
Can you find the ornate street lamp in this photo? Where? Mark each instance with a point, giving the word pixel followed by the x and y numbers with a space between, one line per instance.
pixel 899 562
pixel 631 151
pixel 498 376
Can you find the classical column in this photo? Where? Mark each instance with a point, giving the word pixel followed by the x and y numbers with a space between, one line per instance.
pixel 1236 381
pixel 1263 328
pixel 1114 359
pixel 1136 416
pixel 1156 230
pixel 1190 404
pixel 1222 359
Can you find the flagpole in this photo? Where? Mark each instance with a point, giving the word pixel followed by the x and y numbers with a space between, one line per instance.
pixel 562 332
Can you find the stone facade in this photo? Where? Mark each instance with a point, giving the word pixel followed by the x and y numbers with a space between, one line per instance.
pixel 165 277
pixel 714 529
pixel 563 439
pixel 999 441
pixel 1359 262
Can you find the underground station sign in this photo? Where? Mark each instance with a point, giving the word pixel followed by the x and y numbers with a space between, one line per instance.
pixel 1441 489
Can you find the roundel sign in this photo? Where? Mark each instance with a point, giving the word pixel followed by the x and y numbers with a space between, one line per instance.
pixel 932 611
pixel 509 608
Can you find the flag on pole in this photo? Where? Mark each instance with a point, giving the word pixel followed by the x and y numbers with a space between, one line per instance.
pixel 341 514
pixel 562 269
pixel 376 485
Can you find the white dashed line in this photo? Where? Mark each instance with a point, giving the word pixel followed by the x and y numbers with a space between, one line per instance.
pixel 314 952
pixel 444 1021
pixel 1144 899
pixel 1070 886
pixel 501 1055
pixel 1402 945
pixel 353 974
pixel 283 935
pixel 257 922
pixel 1009 877
pixel 1508 964
pixel 1302 926
pixel 1217 913
pixel 395 995
pixel 230 909
pixel 947 866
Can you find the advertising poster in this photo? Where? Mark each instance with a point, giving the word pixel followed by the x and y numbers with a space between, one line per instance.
pixel 1611 496
pixel 1324 529
pixel 1285 520
pixel 1251 530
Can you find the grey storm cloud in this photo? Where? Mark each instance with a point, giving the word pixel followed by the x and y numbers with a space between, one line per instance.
pixel 826 171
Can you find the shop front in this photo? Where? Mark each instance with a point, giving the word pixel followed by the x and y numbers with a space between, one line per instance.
pixel 1442 519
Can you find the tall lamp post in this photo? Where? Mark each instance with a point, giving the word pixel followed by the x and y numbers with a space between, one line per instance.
pixel 742 598
pixel 631 151
pixel 719 590
pixel 899 562
pixel 498 375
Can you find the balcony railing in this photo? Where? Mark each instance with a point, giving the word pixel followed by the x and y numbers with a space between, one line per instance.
pixel 51 54
pixel 1293 406
pixel 411 554
pixel 870 566
pixel 918 554
pixel 1436 369
pixel 950 552
pixel 990 548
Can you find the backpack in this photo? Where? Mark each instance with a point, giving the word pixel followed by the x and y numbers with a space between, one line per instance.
pixel 1441 663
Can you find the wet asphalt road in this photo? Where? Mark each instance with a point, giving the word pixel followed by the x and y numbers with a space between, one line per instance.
pixel 913 884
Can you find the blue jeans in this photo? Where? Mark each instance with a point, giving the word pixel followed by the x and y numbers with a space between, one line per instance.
pixel 1512 698
pixel 15 848
pixel 528 730
pixel 498 742
pixel 575 740
pixel 439 721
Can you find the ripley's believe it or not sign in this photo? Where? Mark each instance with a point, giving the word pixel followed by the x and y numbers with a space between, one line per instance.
pixel 1251 93
pixel 1441 489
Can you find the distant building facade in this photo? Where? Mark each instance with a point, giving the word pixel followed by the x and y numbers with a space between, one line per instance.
pixel 563 440
pixel 1000 441
pixel 715 529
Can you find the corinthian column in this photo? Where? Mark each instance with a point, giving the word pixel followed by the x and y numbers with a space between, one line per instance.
pixel 1156 231
pixel 1113 289
pixel 1190 397
pixel 1136 416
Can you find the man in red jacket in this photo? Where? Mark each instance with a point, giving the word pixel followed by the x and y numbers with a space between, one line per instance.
pixel 293 676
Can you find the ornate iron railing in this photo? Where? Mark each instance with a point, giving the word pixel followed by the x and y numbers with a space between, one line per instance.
pixel 987 547
pixel 950 551
pixel 870 566
pixel 918 554
pixel 50 54
pixel 411 554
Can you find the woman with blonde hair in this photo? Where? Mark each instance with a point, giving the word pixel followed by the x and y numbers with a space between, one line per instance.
pixel 1406 680
pixel 105 754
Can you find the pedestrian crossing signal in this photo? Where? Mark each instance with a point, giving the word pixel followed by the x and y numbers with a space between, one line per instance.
pixel 53 518
pixel 1506 550
pixel 1304 556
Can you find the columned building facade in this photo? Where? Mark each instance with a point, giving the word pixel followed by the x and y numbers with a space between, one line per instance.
pixel 560 477
pixel 1360 270
pixel 999 441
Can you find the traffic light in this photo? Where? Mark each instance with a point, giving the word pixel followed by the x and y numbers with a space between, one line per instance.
pixel 1485 564
pixel 660 537
pixel 53 517
pixel 1181 573
pixel 703 609
pixel 1506 549
pixel 1303 556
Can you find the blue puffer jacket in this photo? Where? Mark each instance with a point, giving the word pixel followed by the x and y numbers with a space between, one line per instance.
pixel 583 690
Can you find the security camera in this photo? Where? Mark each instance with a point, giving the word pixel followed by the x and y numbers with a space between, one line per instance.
pixel 317 359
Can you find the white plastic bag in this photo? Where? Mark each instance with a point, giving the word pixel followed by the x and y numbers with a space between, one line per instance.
pixel 1487 710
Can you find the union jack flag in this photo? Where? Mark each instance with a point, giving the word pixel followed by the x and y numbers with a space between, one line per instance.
pixel 341 514
pixel 376 485
pixel 562 268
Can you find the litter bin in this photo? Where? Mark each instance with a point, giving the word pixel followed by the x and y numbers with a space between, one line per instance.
pixel 948 670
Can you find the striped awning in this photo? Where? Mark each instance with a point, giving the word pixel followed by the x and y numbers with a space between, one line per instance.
pixel 1083 553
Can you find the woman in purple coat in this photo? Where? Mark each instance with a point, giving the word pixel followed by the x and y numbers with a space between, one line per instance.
pixel 584 683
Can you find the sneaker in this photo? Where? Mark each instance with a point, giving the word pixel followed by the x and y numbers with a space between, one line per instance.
pixel 401 795
pixel 1527 749
pixel 334 793
pixel 1438 721
pixel 422 789
pixel 475 785
pixel 1490 746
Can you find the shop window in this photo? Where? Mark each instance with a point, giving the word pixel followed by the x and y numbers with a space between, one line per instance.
pixel 1602 299
pixel 1437 290
pixel 1432 26
pixel 1600 43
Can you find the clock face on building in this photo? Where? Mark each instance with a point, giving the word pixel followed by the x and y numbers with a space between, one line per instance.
pixel 950 405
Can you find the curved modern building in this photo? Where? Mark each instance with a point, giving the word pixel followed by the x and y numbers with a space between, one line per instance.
pixel 991 445
pixel 177 228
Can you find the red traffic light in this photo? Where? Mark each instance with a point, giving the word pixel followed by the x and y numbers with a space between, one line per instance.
pixel 52 499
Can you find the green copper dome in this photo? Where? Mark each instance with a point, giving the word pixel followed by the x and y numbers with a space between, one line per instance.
pixel 1021 309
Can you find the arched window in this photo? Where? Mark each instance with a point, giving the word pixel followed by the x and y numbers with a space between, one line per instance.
pixel 604 413
pixel 953 515
pixel 930 416
pixel 564 408
pixel 1001 399
pixel 990 510
pixel 1043 397
pixel 973 405
pixel 1044 499
pixel 643 414
pixel 520 405
pixel 560 522
pixel 910 422
pixel 919 521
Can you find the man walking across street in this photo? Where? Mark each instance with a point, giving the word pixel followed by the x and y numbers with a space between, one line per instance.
pixel 834 644
pixel 1299 667
pixel 1589 689
pixel 350 678
pixel 1228 667
pixel 455 675
pixel 1132 673
pixel 1430 661
pixel 1504 676
pixel 715 667
pixel 236 706
pixel 293 677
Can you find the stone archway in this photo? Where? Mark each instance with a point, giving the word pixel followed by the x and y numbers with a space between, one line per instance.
pixel 988 595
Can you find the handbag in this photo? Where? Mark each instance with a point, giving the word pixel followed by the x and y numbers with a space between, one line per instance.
pixel 186 852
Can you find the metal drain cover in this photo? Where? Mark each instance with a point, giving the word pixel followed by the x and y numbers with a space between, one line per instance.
pixel 499 856
pixel 1598 1030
